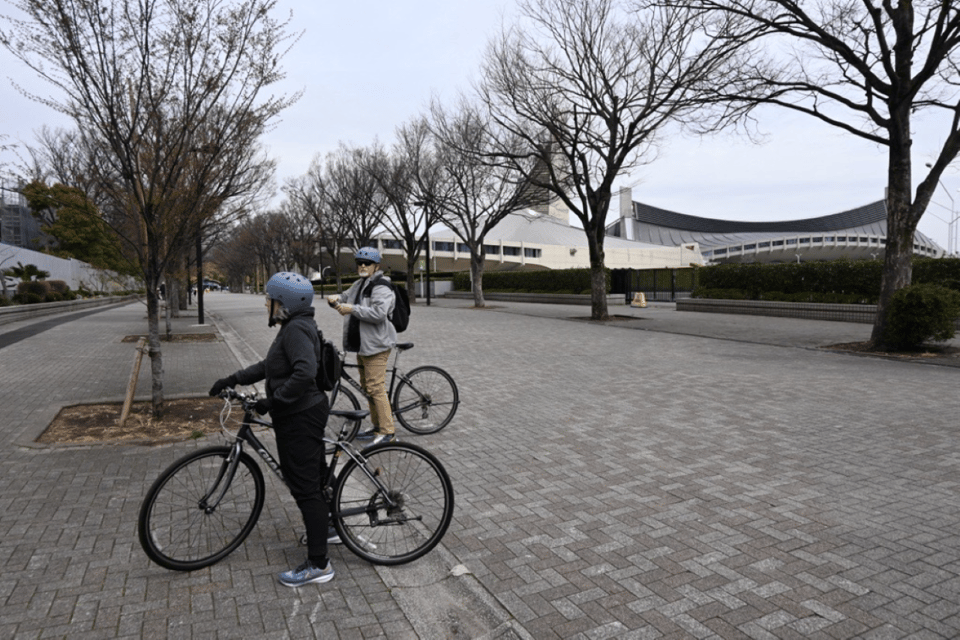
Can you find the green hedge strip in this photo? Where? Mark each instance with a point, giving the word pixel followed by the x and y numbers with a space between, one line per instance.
pixel 847 280
pixel 552 281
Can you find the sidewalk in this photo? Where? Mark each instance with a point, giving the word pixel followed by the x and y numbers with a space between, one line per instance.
pixel 663 475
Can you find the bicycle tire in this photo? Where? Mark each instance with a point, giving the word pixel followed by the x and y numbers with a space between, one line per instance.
pixel 384 535
pixel 426 400
pixel 176 532
pixel 344 400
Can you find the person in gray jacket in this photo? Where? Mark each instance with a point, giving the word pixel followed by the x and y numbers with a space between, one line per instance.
pixel 368 332
pixel 299 411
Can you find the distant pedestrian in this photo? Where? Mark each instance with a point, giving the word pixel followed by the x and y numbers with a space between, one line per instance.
pixel 299 411
pixel 368 332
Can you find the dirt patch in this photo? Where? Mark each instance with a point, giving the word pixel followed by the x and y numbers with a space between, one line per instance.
pixel 945 353
pixel 179 337
pixel 87 423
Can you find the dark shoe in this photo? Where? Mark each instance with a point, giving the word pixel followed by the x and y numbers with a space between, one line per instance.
pixel 367 435
pixel 384 437
pixel 333 537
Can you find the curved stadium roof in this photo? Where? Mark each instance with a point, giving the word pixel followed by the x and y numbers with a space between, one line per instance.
pixel 856 233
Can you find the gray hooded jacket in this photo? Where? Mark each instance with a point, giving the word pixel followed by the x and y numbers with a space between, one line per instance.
pixel 373 311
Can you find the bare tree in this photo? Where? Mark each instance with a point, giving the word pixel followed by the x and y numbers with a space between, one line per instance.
pixel 474 192
pixel 353 195
pixel 170 88
pixel 405 175
pixel 590 88
pixel 344 199
pixel 871 68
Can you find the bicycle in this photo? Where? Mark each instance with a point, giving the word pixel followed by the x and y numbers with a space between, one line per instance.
pixel 391 503
pixel 424 401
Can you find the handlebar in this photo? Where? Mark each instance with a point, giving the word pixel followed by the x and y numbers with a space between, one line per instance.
pixel 248 401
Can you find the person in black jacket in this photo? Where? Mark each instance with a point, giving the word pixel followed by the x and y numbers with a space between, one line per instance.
pixel 299 411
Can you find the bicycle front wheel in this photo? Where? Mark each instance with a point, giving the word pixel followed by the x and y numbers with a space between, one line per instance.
pixel 425 400
pixel 401 514
pixel 344 400
pixel 182 524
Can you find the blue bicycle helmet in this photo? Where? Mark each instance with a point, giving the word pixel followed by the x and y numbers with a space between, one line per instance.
pixel 368 253
pixel 291 290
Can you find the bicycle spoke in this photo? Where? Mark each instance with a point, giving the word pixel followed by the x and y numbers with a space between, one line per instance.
pixel 177 532
pixel 425 400
pixel 406 516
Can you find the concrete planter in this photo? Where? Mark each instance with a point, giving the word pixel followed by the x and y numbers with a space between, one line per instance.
pixel 545 298
pixel 24 311
pixel 862 313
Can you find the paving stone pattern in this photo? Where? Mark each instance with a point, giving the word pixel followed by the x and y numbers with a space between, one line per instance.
pixel 612 482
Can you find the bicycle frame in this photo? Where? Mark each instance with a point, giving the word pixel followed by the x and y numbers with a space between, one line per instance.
pixel 395 374
pixel 246 434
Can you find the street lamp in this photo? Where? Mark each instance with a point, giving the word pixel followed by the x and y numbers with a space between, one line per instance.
pixel 951 226
pixel 423 204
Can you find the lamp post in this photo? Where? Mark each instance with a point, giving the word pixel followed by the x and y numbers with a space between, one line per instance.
pixel 952 247
pixel 424 205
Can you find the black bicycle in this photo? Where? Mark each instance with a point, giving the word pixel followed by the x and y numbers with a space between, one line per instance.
pixel 391 503
pixel 423 400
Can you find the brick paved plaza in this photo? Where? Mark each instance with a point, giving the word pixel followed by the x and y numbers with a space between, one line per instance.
pixel 619 480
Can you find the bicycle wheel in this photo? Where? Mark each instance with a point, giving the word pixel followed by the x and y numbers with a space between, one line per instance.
pixel 425 400
pixel 344 400
pixel 176 528
pixel 402 521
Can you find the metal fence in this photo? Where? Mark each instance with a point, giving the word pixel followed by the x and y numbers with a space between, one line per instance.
pixel 665 285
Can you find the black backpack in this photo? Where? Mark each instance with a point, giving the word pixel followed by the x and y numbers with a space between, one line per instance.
pixel 400 317
pixel 329 364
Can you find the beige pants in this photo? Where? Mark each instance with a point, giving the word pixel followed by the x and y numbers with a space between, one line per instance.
pixel 373 379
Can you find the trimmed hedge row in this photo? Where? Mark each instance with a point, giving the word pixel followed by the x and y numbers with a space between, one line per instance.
pixel 37 291
pixel 850 281
pixel 552 281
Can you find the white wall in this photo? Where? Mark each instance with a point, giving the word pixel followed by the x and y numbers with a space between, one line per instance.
pixel 73 272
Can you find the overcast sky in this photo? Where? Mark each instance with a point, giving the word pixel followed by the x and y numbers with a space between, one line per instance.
pixel 366 67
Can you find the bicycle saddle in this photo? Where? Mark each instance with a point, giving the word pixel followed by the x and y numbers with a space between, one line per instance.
pixel 350 415
pixel 403 346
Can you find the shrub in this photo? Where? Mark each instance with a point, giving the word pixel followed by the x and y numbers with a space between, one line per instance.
pixel 545 281
pixel 5 301
pixel 921 312
pixel 58 286
pixel 39 288
pixel 28 298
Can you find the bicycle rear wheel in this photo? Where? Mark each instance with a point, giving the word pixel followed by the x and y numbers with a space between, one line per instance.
pixel 425 400
pixel 177 528
pixel 404 519
pixel 344 400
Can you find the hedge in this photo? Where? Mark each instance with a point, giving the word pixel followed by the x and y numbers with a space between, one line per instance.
pixel 837 280
pixel 549 281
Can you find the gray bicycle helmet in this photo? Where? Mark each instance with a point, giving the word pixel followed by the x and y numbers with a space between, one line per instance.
pixel 291 290
pixel 368 253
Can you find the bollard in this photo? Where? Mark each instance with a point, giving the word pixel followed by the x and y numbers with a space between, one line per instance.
pixel 639 300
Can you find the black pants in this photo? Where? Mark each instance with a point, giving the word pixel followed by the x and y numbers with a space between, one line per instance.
pixel 304 465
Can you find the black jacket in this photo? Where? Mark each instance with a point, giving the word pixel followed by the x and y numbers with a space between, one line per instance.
pixel 290 367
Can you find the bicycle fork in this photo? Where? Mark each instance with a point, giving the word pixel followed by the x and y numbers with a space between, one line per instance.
pixel 228 470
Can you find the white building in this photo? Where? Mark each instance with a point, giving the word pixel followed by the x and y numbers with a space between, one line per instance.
pixel 533 240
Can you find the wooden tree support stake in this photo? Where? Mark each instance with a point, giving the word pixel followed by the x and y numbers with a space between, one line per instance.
pixel 132 385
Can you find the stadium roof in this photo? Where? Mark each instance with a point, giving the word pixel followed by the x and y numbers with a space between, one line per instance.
pixel 856 233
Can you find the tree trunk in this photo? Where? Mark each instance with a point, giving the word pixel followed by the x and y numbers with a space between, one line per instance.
pixel 897 264
pixel 153 339
pixel 476 273
pixel 901 223
pixel 598 281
